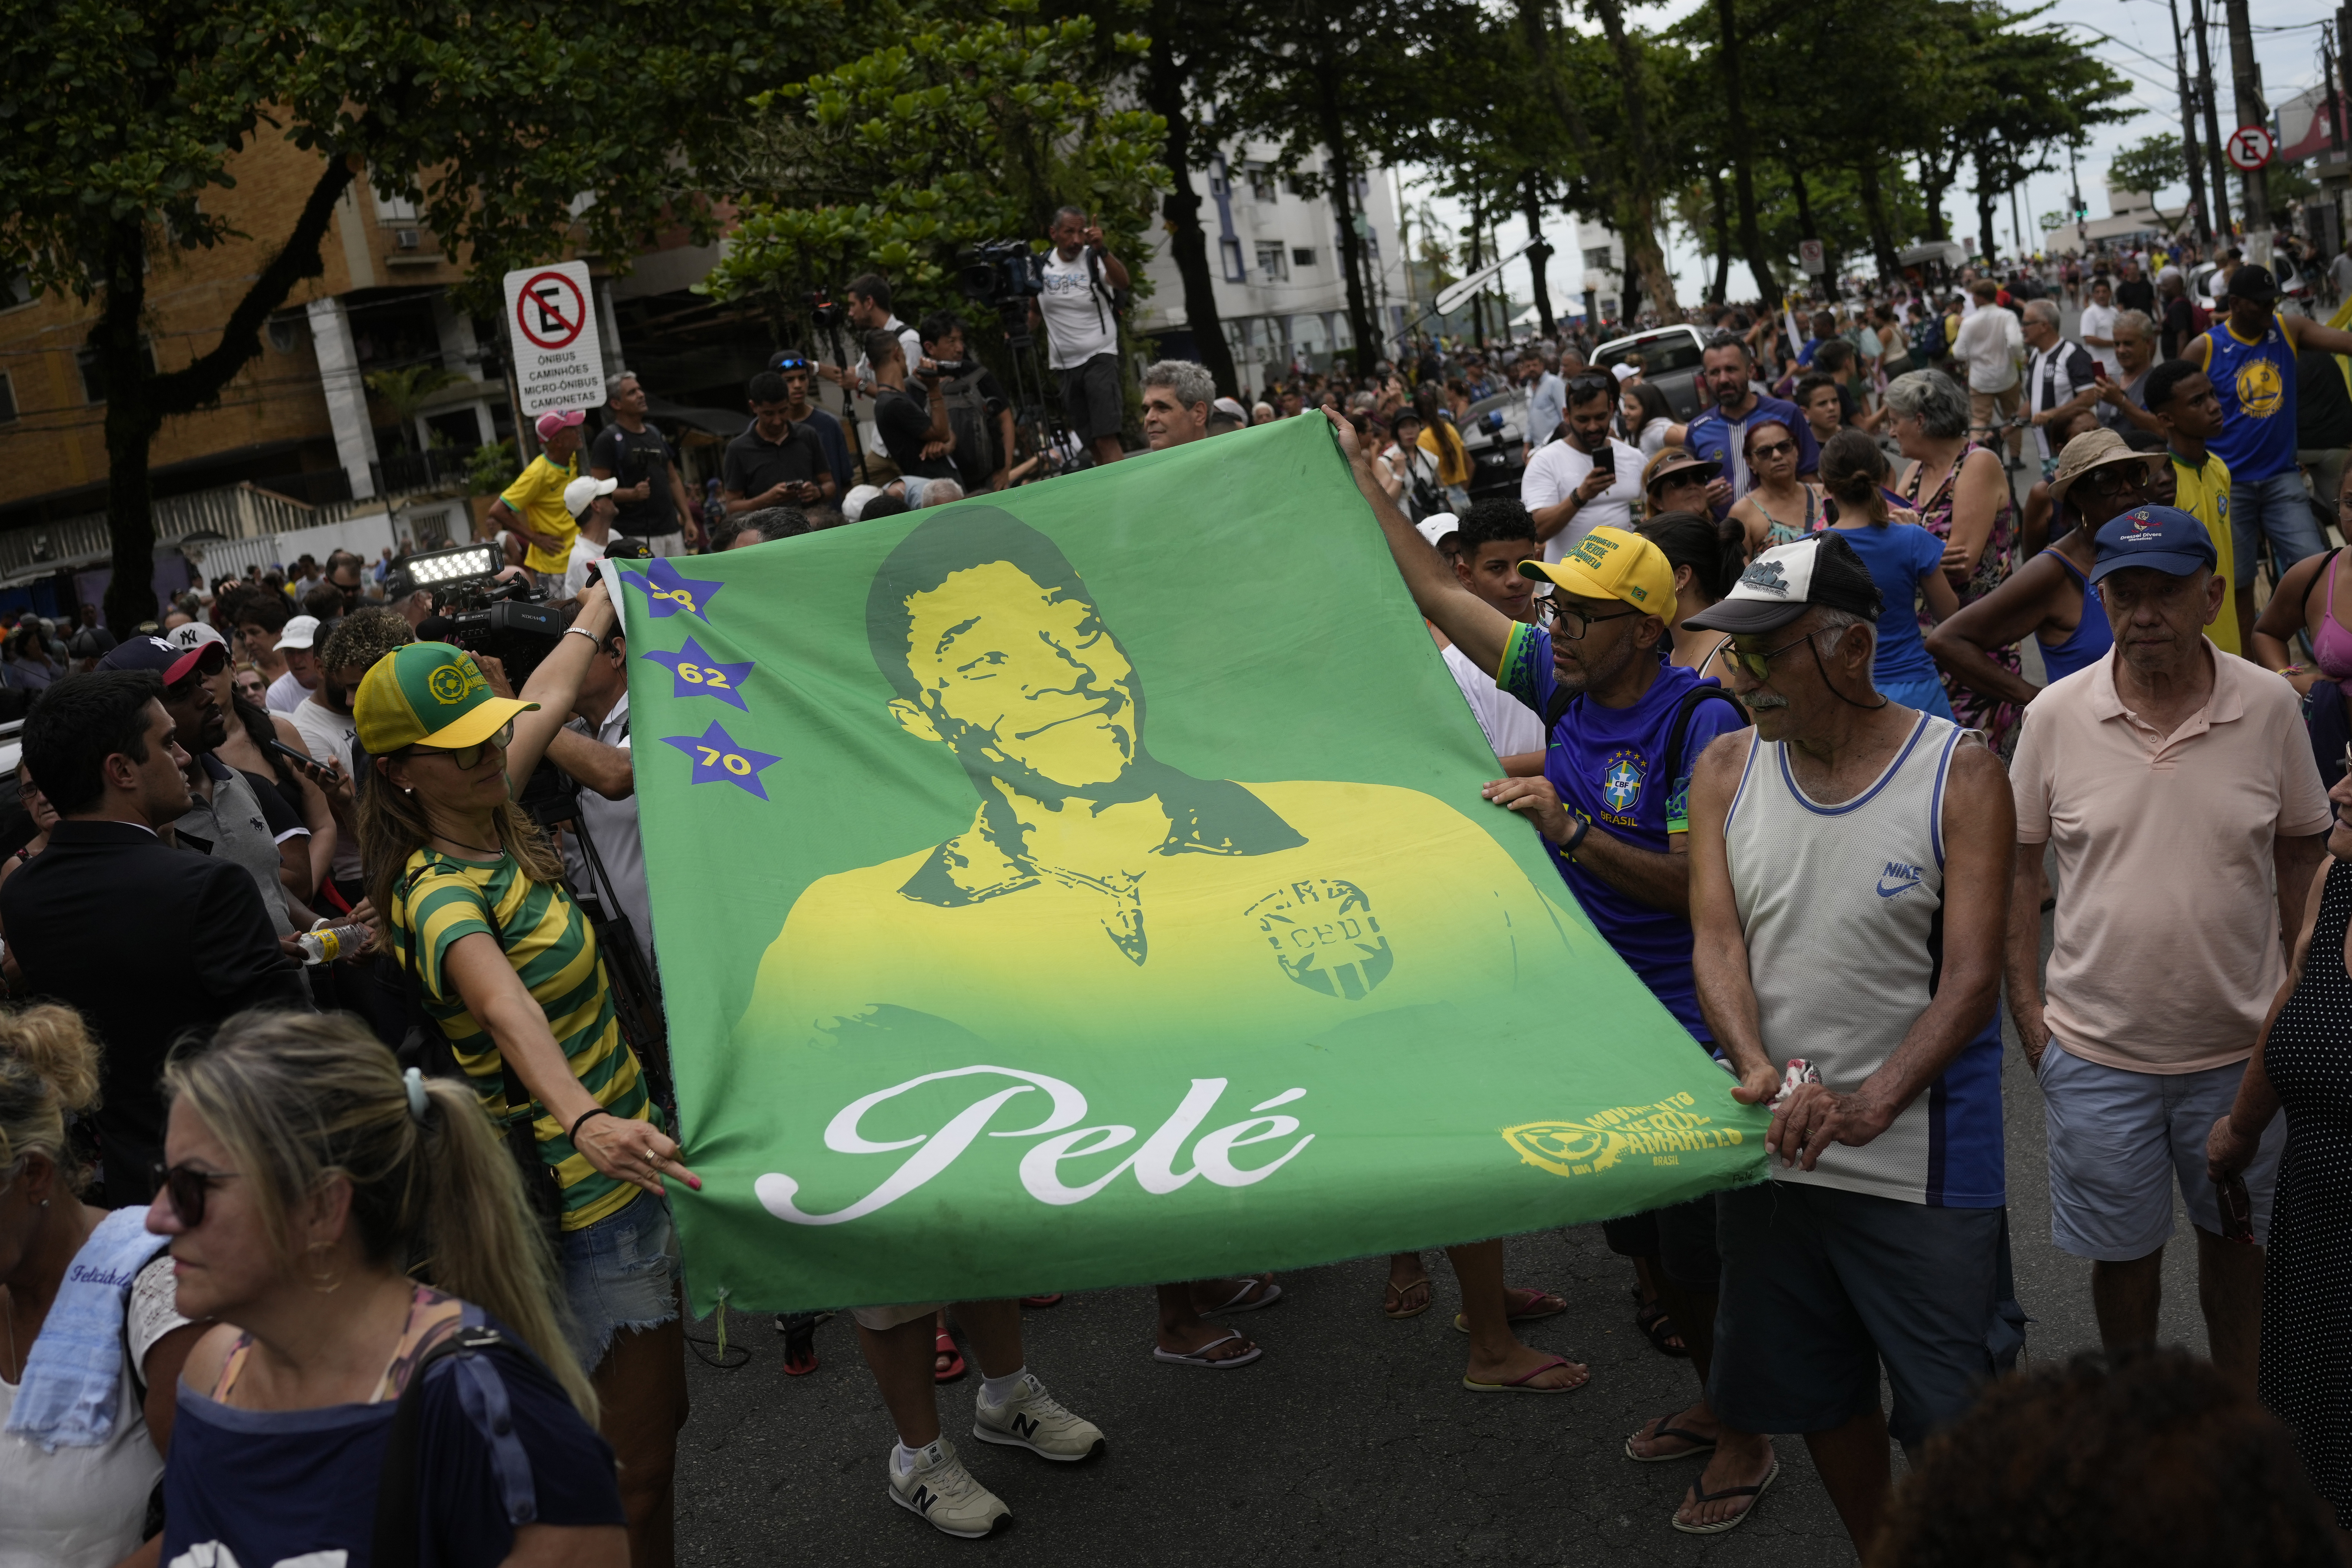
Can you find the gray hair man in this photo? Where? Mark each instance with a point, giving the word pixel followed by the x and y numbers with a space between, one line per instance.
pixel 2061 379
pixel 2123 398
pixel 1177 394
pixel 1848 897
pixel 2177 787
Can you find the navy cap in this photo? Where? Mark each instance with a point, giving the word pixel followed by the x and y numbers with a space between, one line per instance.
pixel 2161 538
pixel 173 663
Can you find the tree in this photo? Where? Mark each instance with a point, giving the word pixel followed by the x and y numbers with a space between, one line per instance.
pixel 1189 47
pixel 406 390
pixel 2151 165
pixel 496 115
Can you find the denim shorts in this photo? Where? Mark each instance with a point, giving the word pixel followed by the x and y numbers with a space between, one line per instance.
pixel 620 1275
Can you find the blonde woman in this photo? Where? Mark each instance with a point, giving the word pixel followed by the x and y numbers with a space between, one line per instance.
pixel 81 1439
pixel 303 1173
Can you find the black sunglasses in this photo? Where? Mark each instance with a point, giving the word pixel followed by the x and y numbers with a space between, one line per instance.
pixel 1573 621
pixel 187 1187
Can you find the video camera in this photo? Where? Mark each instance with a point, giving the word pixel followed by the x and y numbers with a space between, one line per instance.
pixel 482 612
pixel 826 312
pixel 1001 271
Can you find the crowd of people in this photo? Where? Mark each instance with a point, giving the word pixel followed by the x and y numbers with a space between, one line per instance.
pixel 344 1229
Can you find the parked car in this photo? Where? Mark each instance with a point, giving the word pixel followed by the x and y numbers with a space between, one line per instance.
pixel 1670 362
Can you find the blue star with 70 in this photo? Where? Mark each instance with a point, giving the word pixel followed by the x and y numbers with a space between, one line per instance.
pixel 719 758
pixel 697 674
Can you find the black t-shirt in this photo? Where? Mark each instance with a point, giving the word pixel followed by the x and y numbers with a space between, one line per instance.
pixel 752 466
pixel 906 429
pixel 2179 327
pixel 2138 294
pixel 633 457
pixel 2324 409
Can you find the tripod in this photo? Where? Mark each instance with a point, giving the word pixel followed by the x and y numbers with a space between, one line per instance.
pixel 1033 408
pixel 832 330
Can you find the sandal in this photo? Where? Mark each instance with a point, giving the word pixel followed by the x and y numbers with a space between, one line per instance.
pixel 1241 1302
pixel 1526 1384
pixel 1200 1357
pixel 1532 1304
pixel 1700 1494
pixel 1653 1321
pixel 947 1364
pixel 1392 1303
pixel 1053 1301
pixel 1658 1428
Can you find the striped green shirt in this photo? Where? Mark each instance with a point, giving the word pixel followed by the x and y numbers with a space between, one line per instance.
pixel 553 949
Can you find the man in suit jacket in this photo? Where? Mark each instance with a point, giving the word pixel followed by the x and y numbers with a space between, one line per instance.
pixel 149 941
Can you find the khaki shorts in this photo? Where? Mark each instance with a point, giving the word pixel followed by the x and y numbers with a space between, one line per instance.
pixel 883 1319
pixel 1983 405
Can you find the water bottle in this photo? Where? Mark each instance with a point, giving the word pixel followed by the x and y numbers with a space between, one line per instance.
pixel 324 945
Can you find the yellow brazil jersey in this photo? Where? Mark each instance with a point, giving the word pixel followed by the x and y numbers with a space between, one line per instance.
pixel 2204 493
pixel 537 497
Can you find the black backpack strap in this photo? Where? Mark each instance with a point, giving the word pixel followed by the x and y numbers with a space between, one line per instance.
pixel 1561 700
pixel 1678 737
pixel 396 1500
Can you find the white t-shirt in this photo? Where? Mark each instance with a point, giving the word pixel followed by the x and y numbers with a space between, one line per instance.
pixel 1511 726
pixel 1559 468
pixel 83 1508
pixel 585 554
pixel 1990 344
pixel 1078 320
pixel 327 736
pixel 910 342
pixel 2099 321
pixel 284 694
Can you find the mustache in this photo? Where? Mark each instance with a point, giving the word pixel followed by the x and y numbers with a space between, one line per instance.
pixel 1755 703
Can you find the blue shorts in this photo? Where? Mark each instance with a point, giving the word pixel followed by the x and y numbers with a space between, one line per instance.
pixel 620 1275
pixel 2118 1139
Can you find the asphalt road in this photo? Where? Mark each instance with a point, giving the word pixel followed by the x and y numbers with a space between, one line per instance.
pixel 1352 1440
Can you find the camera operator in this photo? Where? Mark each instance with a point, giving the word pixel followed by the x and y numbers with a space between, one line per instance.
pixel 867 306
pixel 979 412
pixel 775 462
pixel 590 503
pixel 919 442
pixel 1081 316
pixel 651 505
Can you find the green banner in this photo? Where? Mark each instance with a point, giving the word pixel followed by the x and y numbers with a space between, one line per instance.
pixel 1090 886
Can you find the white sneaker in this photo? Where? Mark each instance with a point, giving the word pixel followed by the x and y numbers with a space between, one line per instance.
pixel 1034 1420
pixel 940 1490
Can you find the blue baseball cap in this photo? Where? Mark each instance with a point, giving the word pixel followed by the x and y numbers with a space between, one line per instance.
pixel 2161 538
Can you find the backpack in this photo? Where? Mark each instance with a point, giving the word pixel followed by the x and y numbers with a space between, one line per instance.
pixel 1927 343
pixel 975 456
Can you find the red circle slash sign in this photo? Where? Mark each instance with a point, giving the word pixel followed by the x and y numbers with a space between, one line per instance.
pixel 549 311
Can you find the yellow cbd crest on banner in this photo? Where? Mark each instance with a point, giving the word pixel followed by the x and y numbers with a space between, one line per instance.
pixel 1664 1130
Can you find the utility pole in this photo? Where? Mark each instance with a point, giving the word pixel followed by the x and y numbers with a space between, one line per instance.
pixel 2189 135
pixel 2246 77
pixel 2219 169
pixel 2078 212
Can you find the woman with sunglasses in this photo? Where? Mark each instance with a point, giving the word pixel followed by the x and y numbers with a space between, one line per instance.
pixel 473 907
pixel 303 1174
pixel 1782 508
pixel 82 1437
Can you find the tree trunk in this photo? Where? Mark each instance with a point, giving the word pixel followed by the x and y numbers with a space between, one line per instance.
pixel 1638 207
pixel 1719 198
pixel 1743 183
pixel 1188 244
pixel 1477 260
pixel 1987 196
pixel 1539 252
pixel 1873 206
pixel 1341 177
pixel 1935 182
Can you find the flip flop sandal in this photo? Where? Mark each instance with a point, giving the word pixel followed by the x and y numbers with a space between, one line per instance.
pixel 1200 1357
pixel 799 1330
pixel 1394 1292
pixel 1698 1445
pixel 946 1346
pixel 1241 1301
pixel 1532 1312
pixel 1526 1384
pixel 1653 1321
pixel 1053 1301
pixel 1700 1494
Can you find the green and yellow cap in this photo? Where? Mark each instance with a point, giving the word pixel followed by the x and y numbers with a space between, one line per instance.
pixel 1611 564
pixel 429 694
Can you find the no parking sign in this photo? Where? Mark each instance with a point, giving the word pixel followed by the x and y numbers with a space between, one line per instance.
pixel 552 321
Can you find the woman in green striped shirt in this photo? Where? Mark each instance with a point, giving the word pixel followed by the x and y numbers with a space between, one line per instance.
pixel 473 903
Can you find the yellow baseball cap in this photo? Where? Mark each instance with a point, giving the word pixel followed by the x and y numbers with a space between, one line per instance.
pixel 429 694
pixel 1611 564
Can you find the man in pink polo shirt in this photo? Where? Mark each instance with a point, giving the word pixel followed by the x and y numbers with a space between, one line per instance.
pixel 2177 788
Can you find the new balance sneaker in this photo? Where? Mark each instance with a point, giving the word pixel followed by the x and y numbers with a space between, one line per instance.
pixel 940 1490
pixel 1034 1420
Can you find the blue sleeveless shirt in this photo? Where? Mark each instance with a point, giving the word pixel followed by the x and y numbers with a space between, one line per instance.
pixel 2255 382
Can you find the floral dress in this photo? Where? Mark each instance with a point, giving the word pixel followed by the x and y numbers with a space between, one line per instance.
pixel 1999 720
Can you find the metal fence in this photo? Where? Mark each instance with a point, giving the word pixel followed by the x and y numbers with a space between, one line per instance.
pixel 235 511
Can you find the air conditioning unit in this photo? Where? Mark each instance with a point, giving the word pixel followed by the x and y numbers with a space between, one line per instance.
pixel 406 238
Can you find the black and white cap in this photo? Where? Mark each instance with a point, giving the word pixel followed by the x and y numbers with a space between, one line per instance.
pixel 1784 581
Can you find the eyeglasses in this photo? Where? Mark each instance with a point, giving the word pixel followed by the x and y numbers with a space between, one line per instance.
pixel 1775 449
pixel 1572 622
pixel 1758 666
pixel 791 362
pixel 187 1187
pixel 466 757
pixel 2107 480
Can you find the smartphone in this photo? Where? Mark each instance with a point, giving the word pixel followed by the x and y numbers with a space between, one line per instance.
pixel 2098 371
pixel 299 759
pixel 1605 460
pixel 2237 1209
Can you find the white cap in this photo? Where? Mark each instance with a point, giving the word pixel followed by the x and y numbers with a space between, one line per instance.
pixel 581 490
pixel 853 505
pixel 301 632
pixel 1231 407
pixel 1437 525
pixel 196 633
pixel 1624 373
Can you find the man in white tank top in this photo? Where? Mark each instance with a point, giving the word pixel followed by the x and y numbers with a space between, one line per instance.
pixel 1849 899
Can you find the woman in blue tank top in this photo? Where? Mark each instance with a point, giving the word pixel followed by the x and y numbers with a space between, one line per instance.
pixel 2099 477
pixel 1906 561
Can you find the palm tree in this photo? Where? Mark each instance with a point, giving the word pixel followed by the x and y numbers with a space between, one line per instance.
pixel 406 390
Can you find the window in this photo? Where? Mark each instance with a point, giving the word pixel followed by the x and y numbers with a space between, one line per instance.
pixel 93 375
pixel 1217 177
pixel 8 399
pixel 1230 250
pixel 1261 183
pixel 15 290
pixel 390 209
pixel 1302 256
pixel 1598 258
pixel 1301 184
pixel 1273 261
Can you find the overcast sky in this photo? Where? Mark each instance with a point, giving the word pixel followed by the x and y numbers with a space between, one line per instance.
pixel 2131 36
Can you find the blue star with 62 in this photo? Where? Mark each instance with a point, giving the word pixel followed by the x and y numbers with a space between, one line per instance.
pixel 699 675
pixel 719 756
pixel 667 593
